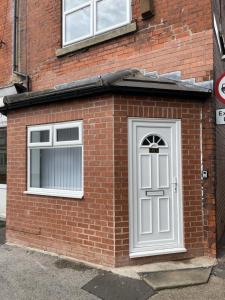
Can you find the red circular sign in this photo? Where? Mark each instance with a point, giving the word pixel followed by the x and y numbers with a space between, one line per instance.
pixel 220 88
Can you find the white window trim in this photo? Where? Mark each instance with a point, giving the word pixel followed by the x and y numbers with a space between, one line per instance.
pixel 65 126
pixel 55 192
pixel 93 22
pixel 39 128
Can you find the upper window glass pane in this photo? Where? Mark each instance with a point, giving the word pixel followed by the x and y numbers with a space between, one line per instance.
pixel 77 24
pixel 3 155
pixel 70 4
pixel 110 13
pixel 67 134
pixel 41 136
pixel 83 19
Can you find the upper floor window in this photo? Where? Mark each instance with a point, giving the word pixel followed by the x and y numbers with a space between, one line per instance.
pixel 86 18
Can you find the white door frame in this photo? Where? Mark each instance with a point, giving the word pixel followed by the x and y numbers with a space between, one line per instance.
pixel 180 248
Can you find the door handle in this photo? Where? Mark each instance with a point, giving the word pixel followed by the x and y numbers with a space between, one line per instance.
pixel 174 183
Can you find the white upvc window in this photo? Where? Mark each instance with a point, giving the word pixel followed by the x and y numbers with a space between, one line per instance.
pixel 86 18
pixel 55 160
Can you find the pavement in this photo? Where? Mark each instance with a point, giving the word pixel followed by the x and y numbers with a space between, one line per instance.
pixel 30 275
pixel 213 290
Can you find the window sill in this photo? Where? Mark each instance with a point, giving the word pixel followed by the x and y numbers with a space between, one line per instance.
pixel 63 194
pixel 132 27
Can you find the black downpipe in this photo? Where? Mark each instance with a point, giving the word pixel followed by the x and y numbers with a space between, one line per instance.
pixel 15 42
pixel 25 77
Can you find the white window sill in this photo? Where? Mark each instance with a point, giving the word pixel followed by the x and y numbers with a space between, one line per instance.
pixel 87 43
pixel 63 194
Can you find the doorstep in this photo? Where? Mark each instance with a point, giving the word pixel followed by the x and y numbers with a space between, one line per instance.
pixel 177 278
pixel 172 274
pixel 138 271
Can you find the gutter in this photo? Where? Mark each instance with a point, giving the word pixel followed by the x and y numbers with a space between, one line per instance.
pixel 50 96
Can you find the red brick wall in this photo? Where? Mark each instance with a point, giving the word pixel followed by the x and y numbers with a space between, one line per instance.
pixel 199 213
pixel 179 37
pixel 95 229
pixel 80 228
pixel 6 20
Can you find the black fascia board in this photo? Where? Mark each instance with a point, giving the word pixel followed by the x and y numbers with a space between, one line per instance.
pixel 163 92
pixel 51 96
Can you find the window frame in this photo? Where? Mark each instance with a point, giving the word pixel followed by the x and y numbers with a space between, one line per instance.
pixel 39 128
pixel 51 145
pixel 93 21
pixel 66 126
pixel 219 36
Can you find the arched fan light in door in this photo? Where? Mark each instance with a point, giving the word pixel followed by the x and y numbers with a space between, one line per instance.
pixel 153 140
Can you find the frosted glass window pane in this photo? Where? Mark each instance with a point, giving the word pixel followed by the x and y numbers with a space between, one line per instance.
pixel 110 13
pixel 56 168
pixel 69 4
pixel 67 134
pixel 39 136
pixel 78 24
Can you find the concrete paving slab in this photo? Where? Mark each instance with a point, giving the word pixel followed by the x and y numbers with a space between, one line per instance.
pixel 214 290
pixel 177 278
pixel 219 271
pixel 109 286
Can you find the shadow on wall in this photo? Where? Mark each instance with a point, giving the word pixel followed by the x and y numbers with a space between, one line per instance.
pixel 2 232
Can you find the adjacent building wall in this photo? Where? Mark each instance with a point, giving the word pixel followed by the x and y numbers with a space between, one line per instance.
pixel 6 25
pixel 177 38
pixel 219 69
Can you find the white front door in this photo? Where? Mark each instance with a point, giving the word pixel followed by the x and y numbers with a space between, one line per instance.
pixel 155 187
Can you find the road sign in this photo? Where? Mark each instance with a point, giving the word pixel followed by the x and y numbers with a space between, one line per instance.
pixel 220 116
pixel 220 88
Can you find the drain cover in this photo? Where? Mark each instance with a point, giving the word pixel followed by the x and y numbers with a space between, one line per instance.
pixel 108 286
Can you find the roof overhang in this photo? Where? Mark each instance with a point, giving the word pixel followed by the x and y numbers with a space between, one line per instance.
pixel 130 81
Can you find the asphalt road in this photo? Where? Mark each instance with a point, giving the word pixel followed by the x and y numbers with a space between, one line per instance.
pixel 28 275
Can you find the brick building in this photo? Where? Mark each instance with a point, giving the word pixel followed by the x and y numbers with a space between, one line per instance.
pixel 219 69
pixel 107 149
pixel 5 88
